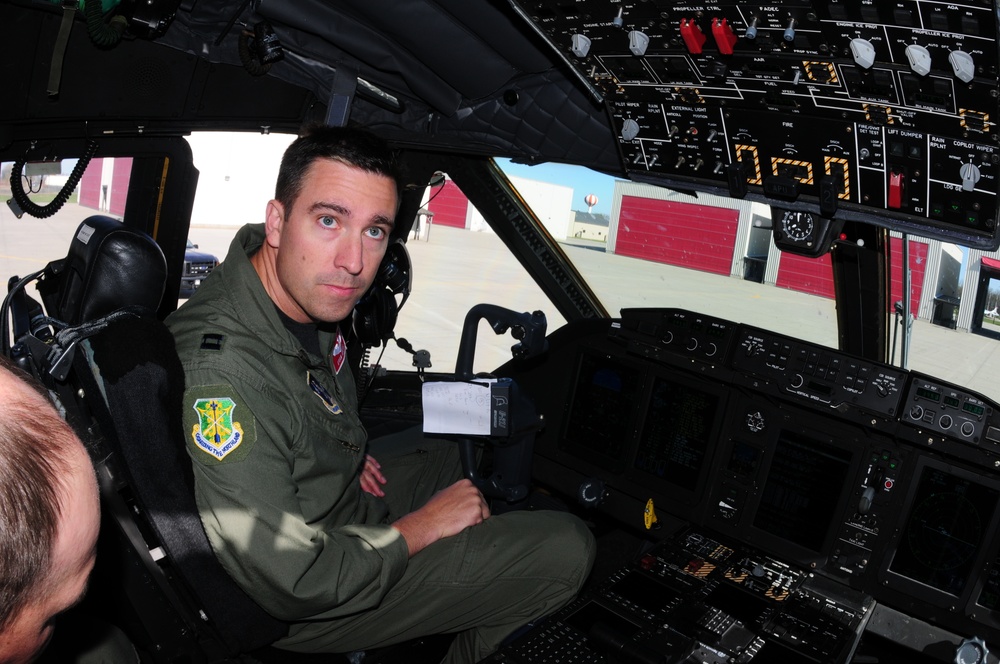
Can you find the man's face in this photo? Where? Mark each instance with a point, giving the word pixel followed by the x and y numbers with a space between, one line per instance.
pixel 328 247
pixel 73 558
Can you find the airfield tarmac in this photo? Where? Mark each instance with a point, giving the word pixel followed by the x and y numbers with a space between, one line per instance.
pixel 444 292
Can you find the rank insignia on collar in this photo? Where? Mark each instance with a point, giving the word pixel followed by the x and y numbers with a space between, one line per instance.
pixel 323 394
pixel 216 432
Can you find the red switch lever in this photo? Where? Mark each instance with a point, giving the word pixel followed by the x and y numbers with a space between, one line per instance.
pixel 725 38
pixel 694 38
pixel 895 190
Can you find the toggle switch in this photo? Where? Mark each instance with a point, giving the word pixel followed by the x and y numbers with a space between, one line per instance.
pixel 865 504
pixel 790 31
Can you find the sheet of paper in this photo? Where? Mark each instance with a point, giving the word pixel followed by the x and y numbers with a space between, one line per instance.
pixel 457 408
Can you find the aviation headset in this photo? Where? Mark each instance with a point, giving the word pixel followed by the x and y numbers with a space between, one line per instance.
pixel 376 311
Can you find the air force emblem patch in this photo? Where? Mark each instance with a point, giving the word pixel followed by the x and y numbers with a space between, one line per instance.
pixel 323 394
pixel 216 432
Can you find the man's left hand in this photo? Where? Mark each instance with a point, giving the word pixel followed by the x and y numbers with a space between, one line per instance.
pixel 372 478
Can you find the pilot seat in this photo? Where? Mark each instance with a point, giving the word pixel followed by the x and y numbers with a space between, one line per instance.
pixel 109 362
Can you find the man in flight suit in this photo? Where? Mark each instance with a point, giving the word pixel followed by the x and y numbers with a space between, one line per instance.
pixel 351 553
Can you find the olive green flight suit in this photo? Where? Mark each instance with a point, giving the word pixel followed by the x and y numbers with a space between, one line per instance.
pixel 277 449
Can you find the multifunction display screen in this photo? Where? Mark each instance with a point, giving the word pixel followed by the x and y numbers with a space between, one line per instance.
pixel 802 491
pixel 947 526
pixel 677 433
pixel 605 397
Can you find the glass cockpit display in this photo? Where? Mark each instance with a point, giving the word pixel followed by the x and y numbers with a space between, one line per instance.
pixel 602 411
pixel 947 526
pixel 860 492
pixel 677 432
pixel 803 490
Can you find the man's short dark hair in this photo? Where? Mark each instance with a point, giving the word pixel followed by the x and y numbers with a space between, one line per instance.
pixel 355 147
pixel 32 463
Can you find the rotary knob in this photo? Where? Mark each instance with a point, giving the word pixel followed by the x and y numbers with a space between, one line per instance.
pixel 638 42
pixel 970 176
pixel 863 52
pixel 755 422
pixel 630 129
pixel 591 492
pixel 962 65
pixel 580 45
pixel 919 59
pixel 972 651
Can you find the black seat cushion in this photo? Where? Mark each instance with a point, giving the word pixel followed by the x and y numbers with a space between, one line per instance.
pixel 144 385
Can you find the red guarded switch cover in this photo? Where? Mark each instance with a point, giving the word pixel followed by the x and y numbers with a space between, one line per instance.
pixel 895 190
pixel 694 38
pixel 725 38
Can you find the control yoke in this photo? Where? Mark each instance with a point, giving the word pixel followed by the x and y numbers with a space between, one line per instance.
pixel 511 474
pixel 529 329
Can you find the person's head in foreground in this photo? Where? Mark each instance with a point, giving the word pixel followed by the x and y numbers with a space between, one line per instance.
pixel 49 518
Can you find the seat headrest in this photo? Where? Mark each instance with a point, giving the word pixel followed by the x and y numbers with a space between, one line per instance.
pixel 109 266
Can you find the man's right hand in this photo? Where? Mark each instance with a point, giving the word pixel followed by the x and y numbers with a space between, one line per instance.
pixel 447 513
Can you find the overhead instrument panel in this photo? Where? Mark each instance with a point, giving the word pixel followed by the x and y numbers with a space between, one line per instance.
pixel 856 110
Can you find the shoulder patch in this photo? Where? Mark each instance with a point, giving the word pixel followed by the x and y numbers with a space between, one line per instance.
pixel 219 427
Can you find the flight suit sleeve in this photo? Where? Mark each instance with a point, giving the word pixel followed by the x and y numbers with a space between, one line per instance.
pixel 253 489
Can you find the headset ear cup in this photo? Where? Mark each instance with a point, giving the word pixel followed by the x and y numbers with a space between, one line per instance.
pixel 375 316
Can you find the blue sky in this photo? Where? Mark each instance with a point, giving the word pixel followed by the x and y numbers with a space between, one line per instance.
pixel 582 180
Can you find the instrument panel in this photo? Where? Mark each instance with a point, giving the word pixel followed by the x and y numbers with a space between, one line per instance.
pixel 829 481
pixel 883 112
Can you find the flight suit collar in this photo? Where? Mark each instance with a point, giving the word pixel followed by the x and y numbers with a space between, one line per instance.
pixel 254 306
pixel 257 311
